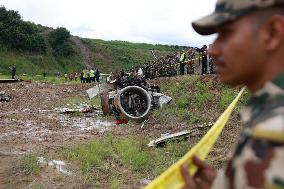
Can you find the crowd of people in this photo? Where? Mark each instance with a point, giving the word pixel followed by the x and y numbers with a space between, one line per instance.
pixel 188 61
pixel 87 75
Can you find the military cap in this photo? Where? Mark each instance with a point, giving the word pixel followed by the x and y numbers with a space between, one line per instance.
pixel 230 10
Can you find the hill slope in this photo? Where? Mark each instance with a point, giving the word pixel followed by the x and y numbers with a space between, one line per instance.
pixel 106 55
pixel 116 55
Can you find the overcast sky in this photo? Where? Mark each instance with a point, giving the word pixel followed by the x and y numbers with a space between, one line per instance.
pixel 148 21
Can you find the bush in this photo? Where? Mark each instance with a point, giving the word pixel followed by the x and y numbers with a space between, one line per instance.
pixel 59 40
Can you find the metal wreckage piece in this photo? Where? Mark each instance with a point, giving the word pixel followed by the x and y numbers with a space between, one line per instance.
pixel 130 98
pixel 4 97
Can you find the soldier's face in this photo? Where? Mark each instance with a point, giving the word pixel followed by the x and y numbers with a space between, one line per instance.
pixel 238 52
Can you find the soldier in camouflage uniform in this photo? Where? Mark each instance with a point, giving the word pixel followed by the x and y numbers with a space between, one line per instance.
pixel 249 50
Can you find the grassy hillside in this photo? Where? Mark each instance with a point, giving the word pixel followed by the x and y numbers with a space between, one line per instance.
pixel 108 56
pixel 27 62
pixel 116 55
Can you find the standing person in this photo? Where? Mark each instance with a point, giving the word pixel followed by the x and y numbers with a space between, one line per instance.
pixel 97 75
pixel 211 63
pixel 13 71
pixel 190 66
pixel 82 76
pixel 76 76
pixel 65 76
pixel 88 76
pixel 204 60
pixel 58 75
pixel 249 50
pixel 92 75
pixel 85 75
pixel 182 61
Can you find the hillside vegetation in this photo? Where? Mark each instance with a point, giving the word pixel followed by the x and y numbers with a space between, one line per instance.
pixel 116 55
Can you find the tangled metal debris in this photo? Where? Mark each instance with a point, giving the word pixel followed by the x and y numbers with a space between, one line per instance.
pixel 129 96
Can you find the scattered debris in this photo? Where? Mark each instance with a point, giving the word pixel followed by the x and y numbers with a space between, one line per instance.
pixel 58 165
pixel 160 142
pixel 162 99
pixel 131 97
pixel 96 90
pixel 95 125
pixel 144 123
pixel 80 109
pixel 4 97
pixel 145 182
pixel 67 91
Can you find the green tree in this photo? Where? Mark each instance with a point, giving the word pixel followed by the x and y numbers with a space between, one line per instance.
pixel 18 34
pixel 60 42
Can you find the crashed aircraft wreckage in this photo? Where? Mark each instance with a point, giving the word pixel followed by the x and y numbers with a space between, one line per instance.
pixel 129 97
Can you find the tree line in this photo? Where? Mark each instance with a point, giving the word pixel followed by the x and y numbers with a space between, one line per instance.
pixel 26 36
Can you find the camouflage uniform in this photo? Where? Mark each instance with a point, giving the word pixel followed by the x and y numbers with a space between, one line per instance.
pixel 258 159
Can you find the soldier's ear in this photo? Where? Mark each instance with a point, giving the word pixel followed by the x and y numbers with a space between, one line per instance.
pixel 274 30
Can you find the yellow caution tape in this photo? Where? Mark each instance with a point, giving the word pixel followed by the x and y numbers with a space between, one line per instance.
pixel 276 136
pixel 172 178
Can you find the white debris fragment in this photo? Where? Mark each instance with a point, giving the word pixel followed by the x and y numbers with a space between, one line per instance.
pixel 166 137
pixel 57 164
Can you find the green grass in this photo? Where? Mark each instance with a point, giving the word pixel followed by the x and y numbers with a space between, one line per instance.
pixel 29 164
pixel 203 95
pixel 227 97
pixel 229 94
pixel 130 153
pixel 196 102
pixel 116 183
pixel 90 155
pixel 38 63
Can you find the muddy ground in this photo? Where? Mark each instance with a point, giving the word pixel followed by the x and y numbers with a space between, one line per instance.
pixel 32 124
